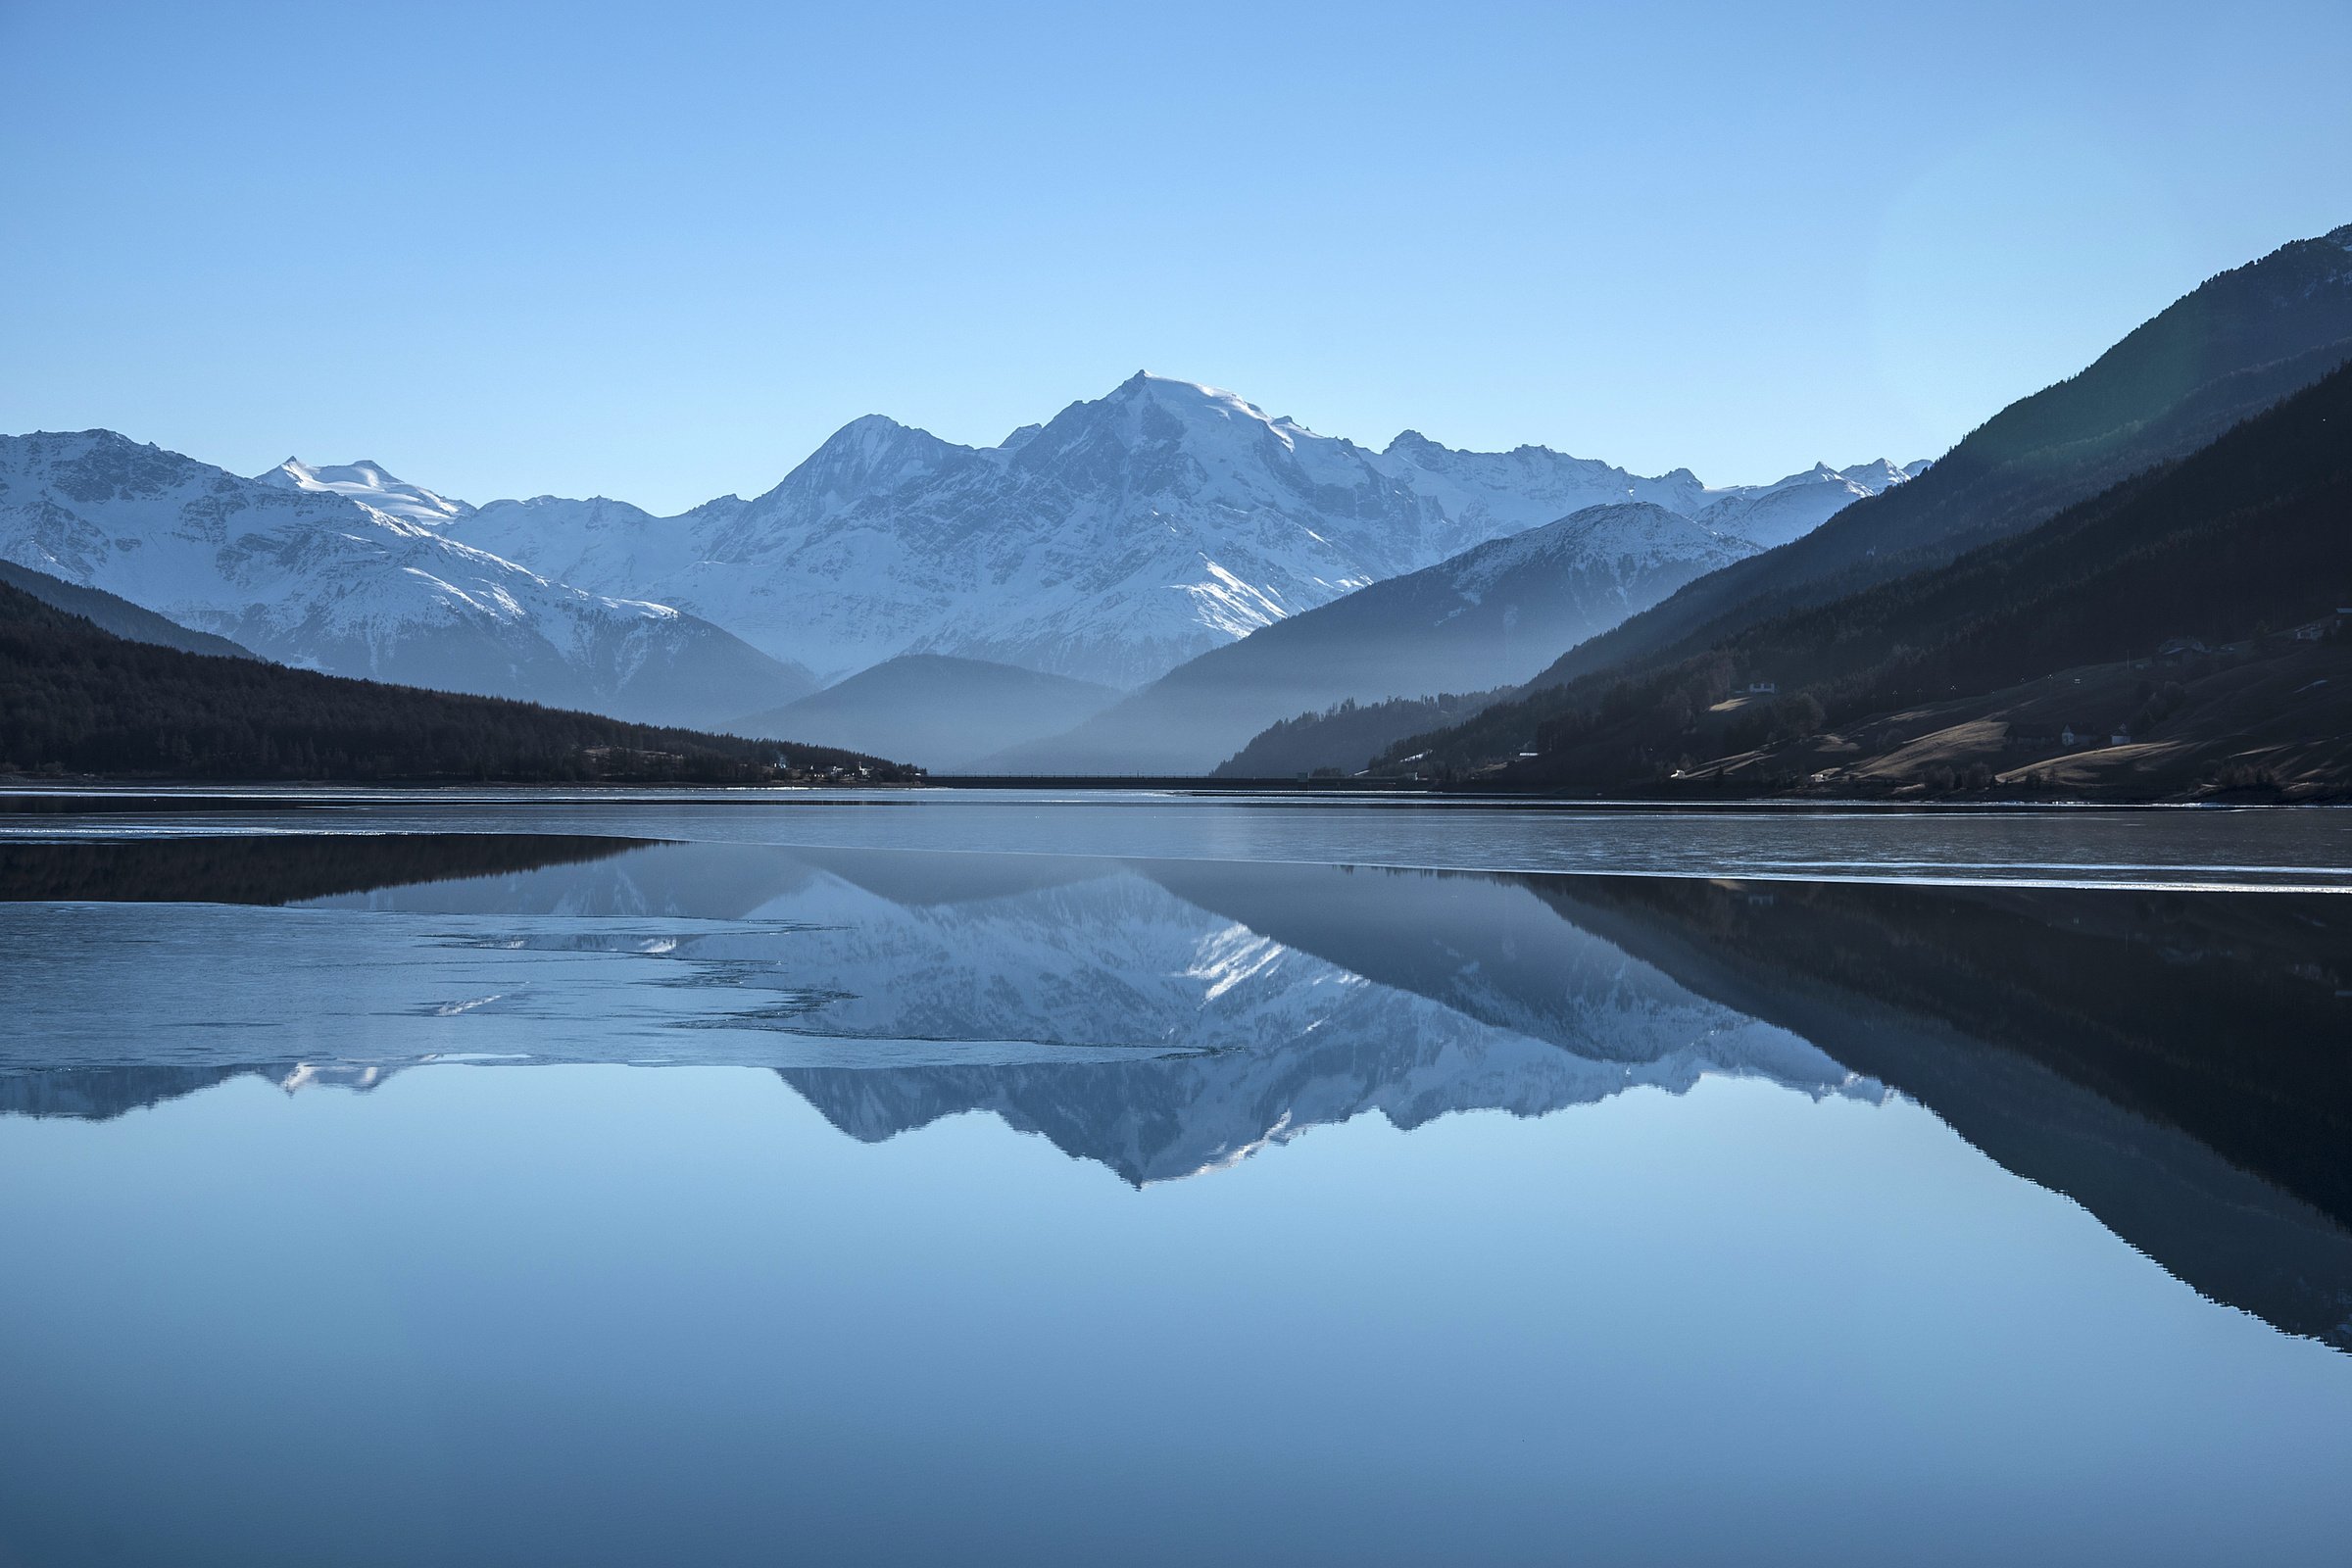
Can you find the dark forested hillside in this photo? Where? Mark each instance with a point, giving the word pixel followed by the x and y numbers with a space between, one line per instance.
pixel 77 699
pixel 1345 737
pixel 2197 577
pixel 279 868
pixel 2233 347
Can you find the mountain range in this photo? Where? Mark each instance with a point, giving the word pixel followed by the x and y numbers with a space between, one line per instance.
pixel 1230 570
pixel 316 578
pixel 1122 538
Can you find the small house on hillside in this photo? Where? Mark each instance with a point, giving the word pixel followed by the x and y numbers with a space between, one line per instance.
pixel 1763 688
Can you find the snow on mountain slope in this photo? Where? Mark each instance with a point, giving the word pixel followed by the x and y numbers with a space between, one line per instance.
pixel 298 572
pixel 368 484
pixel 1505 492
pixel 1115 541
pixel 1490 616
pixel 1773 515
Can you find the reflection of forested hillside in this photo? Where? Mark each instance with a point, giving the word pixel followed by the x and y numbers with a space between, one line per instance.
pixel 2219 1013
pixel 276 868
pixel 2173 1062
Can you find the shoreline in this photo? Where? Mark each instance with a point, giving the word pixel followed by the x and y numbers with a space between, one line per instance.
pixel 44 798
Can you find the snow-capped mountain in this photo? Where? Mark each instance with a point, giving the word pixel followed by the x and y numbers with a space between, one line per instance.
pixel 1112 543
pixel 299 572
pixel 367 483
pixel 1773 515
pixel 1490 616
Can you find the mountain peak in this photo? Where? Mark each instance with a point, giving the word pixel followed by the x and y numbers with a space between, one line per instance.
pixel 1199 400
pixel 872 454
pixel 872 442
pixel 1874 475
pixel 373 485
pixel 871 426
pixel 1157 413
pixel 1173 389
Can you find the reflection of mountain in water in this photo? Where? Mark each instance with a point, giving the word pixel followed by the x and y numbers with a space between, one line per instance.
pixel 101 1093
pixel 2173 1063
pixel 1106 962
pixel 1174 1035
pixel 1318 994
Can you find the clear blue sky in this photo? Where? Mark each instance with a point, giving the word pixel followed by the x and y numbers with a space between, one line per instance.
pixel 660 252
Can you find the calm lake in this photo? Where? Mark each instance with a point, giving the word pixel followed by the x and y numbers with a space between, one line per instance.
pixel 481 1178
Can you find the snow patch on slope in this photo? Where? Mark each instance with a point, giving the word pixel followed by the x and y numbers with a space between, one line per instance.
pixel 368 484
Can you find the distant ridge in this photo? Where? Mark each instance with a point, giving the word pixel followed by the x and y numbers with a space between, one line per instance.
pixel 1486 617
pixel 116 615
pixel 933 710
